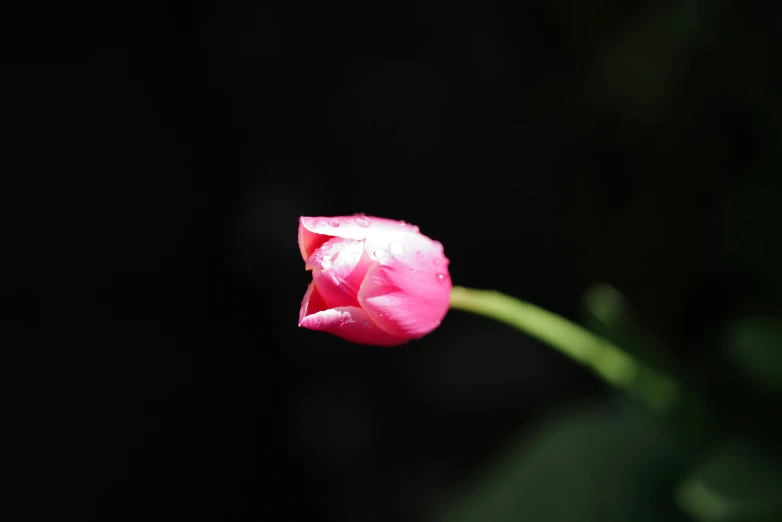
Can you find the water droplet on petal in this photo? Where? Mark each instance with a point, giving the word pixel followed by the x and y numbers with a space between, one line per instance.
pixel 441 278
pixel 438 261
pixel 419 255
pixel 396 248
pixel 320 223
pixel 363 222
pixel 355 255
pixel 325 246
pixel 348 221
pixel 366 323
pixel 334 222
pixel 379 253
pixel 402 223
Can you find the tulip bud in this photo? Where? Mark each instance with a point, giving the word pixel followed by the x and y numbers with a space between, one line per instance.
pixel 375 281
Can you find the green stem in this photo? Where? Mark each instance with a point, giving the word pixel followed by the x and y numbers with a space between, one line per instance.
pixel 655 388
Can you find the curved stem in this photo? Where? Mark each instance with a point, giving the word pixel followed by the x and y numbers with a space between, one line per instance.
pixel 657 389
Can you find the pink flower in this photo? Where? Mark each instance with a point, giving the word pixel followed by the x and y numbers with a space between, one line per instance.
pixel 374 281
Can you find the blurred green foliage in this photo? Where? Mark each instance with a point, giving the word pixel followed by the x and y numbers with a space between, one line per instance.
pixel 608 460
pixel 733 482
pixel 600 462
pixel 754 345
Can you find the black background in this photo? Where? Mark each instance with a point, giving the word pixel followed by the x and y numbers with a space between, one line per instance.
pixel 160 157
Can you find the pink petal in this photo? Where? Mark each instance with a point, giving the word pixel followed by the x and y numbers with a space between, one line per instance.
pixel 309 241
pixel 338 269
pixel 407 292
pixel 312 303
pixel 314 231
pixel 352 324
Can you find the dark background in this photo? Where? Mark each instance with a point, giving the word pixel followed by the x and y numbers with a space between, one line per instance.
pixel 160 156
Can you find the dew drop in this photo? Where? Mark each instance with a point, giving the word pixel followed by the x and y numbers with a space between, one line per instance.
pixel 419 255
pixel 363 222
pixel 438 261
pixel 334 222
pixel 355 255
pixel 441 278
pixel 379 253
pixel 320 223
pixel 366 323
pixel 325 246
pixel 402 223
pixel 396 248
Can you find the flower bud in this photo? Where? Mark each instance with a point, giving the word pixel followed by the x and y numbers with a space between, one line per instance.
pixel 375 281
